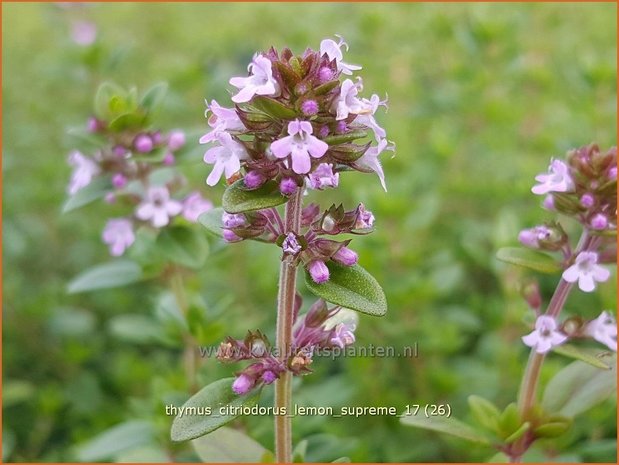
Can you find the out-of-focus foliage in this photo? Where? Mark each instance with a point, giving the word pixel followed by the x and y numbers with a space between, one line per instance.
pixel 481 96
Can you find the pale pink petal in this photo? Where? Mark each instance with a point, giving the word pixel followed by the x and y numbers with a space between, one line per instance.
pixel 281 148
pixel 600 274
pixel 571 274
pixel 145 211
pixel 316 147
pixel 215 175
pixel 586 282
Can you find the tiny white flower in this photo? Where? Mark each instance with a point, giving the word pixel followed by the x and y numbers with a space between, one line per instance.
pixel 545 335
pixel 604 329
pixel 586 271
pixel 333 50
pixel 259 82
pixel 157 207
pixel 558 179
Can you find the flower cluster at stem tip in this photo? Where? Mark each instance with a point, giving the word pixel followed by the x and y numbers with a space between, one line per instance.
pixel 582 187
pixel 294 125
pixel 129 158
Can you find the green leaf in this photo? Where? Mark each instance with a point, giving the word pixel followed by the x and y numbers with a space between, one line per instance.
pixel 350 287
pixel 557 427
pixel 16 391
pixel 348 137
pixel 509 421
pixel 578 387
pixel 342 460
pixel 112 274
pixel 136 328
pixel 127 121
pixel 97 188
pixel 81 136
pixel 120 438
pixel 185 246
pixel 484 412
pixel 273 108
pixel 298 454
pixel 215 395
pixel 227 445
pixel 577 353
pixel 211 220
pixel 154 97
pixel 529 259
pixel 238 199
pixel 445 425
pixel 518 433
pixel 107 94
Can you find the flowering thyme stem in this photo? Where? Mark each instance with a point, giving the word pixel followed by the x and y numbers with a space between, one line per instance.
pixel 285 310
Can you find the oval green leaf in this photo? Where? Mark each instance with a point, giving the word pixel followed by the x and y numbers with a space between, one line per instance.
pixel 119 438
pixel 153 97
pixel 445 425
pixel 571 351
pixel 529 259
pixel 112 274
pixel 350 287
pixel 215 395
pixel 238 199
pixel 273 108
pixel 211 220
pixel 185 246
pixel 227 445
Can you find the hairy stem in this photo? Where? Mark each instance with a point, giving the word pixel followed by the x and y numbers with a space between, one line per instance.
pixel 285 310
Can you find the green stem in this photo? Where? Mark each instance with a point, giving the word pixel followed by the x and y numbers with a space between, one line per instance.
pixel 190 359
pixel 285 310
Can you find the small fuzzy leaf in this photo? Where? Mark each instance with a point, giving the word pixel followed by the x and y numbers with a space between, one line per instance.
pixel 154 97
pixel 185 246
pixel 529 259
pixel 484 412
pixel 578 387
pixel 273 108
pixel 214 396
pixel 112 274
pixel 227 445
pixel 211 220
pixel 350 287
pixel 343 138
pixel 571 351
pixel 445 425
pixel 88 194
pixel 238 199
pixel 326 87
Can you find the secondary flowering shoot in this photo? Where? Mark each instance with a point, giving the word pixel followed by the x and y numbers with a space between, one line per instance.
pixel 135 166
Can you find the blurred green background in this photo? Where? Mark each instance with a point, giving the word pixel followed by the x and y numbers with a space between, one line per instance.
pixel 481 96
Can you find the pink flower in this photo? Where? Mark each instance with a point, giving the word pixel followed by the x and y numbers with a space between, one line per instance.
pixel 365 219
pixel 226 157
pixel 323 176
pixel 344 335
pixel 118 235
pixel 260 81
pixel 332 49
pixel 346 256
pixel 604 329
pixel 347 102
pixel 221 119
pixel 157 207
pixel 242 384
pixel 291 244
pixel 532 236
pixel 143 143
pixel 300 145
pixel 84 33
pixel 194 205
pixel 370 161
pixel 586 271
pixel 545 336
pixel 558 179
pixel 84 169
pixel 366 116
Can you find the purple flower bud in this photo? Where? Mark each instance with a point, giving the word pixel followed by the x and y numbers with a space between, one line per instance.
pixel 549 202
pixel 346 256
pixel 341 127
pixel 119 151
pixel 168 159
pixel 323 131
pixel 528 238
pixel 233 220
pixel 119 180
pixel 268 377
pixel 254 179
pixel 156 137
pixel 599 221
pixel 143 143
pixel 612 173
pixel 325 74
pixel 93 125
pixel 587 200
pixel 318 271
pixel 230 236
pixel 309 107
pixel 176 140
pixel 288 186
pixel 242 384
pixel 291 244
